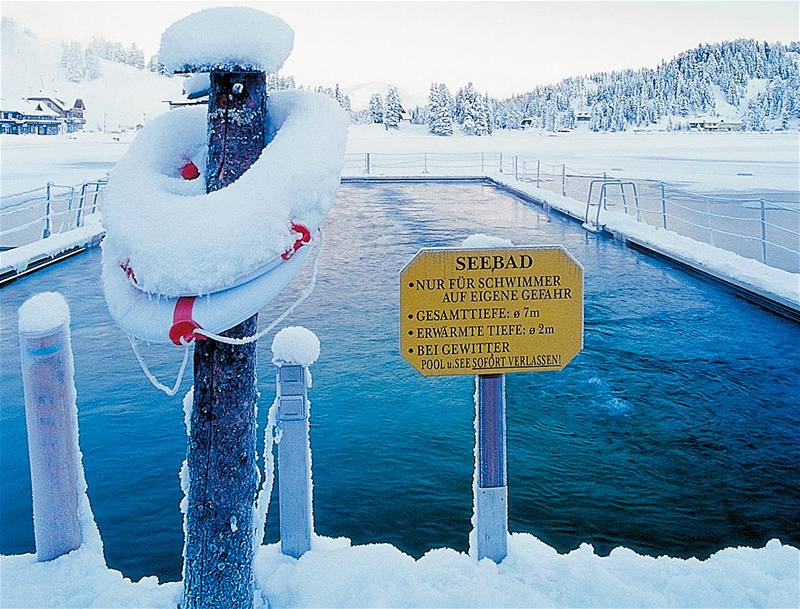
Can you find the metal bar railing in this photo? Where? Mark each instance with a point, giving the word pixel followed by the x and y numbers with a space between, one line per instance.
pixel 57 208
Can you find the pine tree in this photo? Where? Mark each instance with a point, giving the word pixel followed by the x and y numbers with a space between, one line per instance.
pixel 376 108
pixel 440 121
pixel 134 57
pixel 72 61
pixel 473 112
pixel 91 65
pixel 394 110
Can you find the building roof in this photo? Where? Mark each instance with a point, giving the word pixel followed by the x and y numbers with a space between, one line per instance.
pixel 61 105
pixel 79 104
pixel 29 108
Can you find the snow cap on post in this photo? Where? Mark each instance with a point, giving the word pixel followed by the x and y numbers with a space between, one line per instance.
pixel 479 240
pixel 295 345
pixel 233 39
pixel 43 313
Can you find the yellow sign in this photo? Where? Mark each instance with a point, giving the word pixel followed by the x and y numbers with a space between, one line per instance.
pixel 491 311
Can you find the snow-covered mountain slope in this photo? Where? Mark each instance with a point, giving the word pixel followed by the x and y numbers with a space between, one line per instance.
pixel 120 98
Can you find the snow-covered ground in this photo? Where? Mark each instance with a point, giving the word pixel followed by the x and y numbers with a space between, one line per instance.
pixel 697 160
pixel 337 574
pixel 30 161
pixel 730 162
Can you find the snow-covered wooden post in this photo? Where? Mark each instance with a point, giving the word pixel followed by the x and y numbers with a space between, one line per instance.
pixel 222 444
pixel 663 207
pixel 51 417
pixel 491 501
pixel 237 46
pixel 563 179
pixel 294 350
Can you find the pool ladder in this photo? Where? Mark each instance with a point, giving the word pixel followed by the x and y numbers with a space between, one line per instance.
pixel 593 225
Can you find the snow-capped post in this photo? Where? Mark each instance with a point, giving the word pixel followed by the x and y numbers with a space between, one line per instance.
pixel 221 449
pixel 294 349
pixel 217 251
pixel 538 174
pixel 663 207
pixel 563 179
pixel 51 417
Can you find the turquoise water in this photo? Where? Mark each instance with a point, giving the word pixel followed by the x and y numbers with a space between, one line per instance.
pixel 676 431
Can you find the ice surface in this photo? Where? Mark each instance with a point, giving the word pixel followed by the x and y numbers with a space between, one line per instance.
pixel 226 38
pixel 44 312
pixel 479 240
pixel 180 240
pixel 295 345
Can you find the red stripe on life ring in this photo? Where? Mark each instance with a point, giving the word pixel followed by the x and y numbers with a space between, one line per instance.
pixel 183 326
pixel 305 237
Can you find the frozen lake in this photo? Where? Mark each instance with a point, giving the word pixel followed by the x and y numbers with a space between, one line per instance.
pixel 674 432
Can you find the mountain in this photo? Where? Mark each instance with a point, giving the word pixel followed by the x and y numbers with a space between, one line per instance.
pixel 120 97
pixel 755 83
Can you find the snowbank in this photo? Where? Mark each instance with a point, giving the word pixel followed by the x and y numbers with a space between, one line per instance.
pixel 19 258
pixel 180 240
pixel 336 574
pixel 295 345
pixel 43 312
pixel 746 271
pixel 226 38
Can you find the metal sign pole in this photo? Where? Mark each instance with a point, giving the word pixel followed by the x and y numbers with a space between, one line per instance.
pixel 491 501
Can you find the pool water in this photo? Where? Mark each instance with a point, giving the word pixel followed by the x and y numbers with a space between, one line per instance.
pixel 676 430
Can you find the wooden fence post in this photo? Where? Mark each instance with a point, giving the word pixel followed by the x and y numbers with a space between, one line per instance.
pixel 221 449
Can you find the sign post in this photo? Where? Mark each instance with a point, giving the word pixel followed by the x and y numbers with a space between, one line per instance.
pixel 491 494
pixel 489 312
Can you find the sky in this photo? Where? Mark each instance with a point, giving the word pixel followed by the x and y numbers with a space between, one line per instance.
pixel 502 47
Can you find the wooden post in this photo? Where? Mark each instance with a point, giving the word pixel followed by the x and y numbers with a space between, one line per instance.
pixel 217 571
pixel 663 207
pixel 51 417
pixel 294 467
pixel 563 179
pixel 491 501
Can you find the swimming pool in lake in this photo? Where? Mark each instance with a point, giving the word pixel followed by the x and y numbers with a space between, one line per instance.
pixel 676 430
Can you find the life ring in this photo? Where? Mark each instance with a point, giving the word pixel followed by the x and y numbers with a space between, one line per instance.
pixel 167 319
pixel 230 252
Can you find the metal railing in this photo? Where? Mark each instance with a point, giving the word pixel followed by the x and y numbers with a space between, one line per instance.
pixel 37 214
pixel 757 227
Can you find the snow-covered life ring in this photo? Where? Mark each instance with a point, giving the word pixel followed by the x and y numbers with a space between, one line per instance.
pixel 232 250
